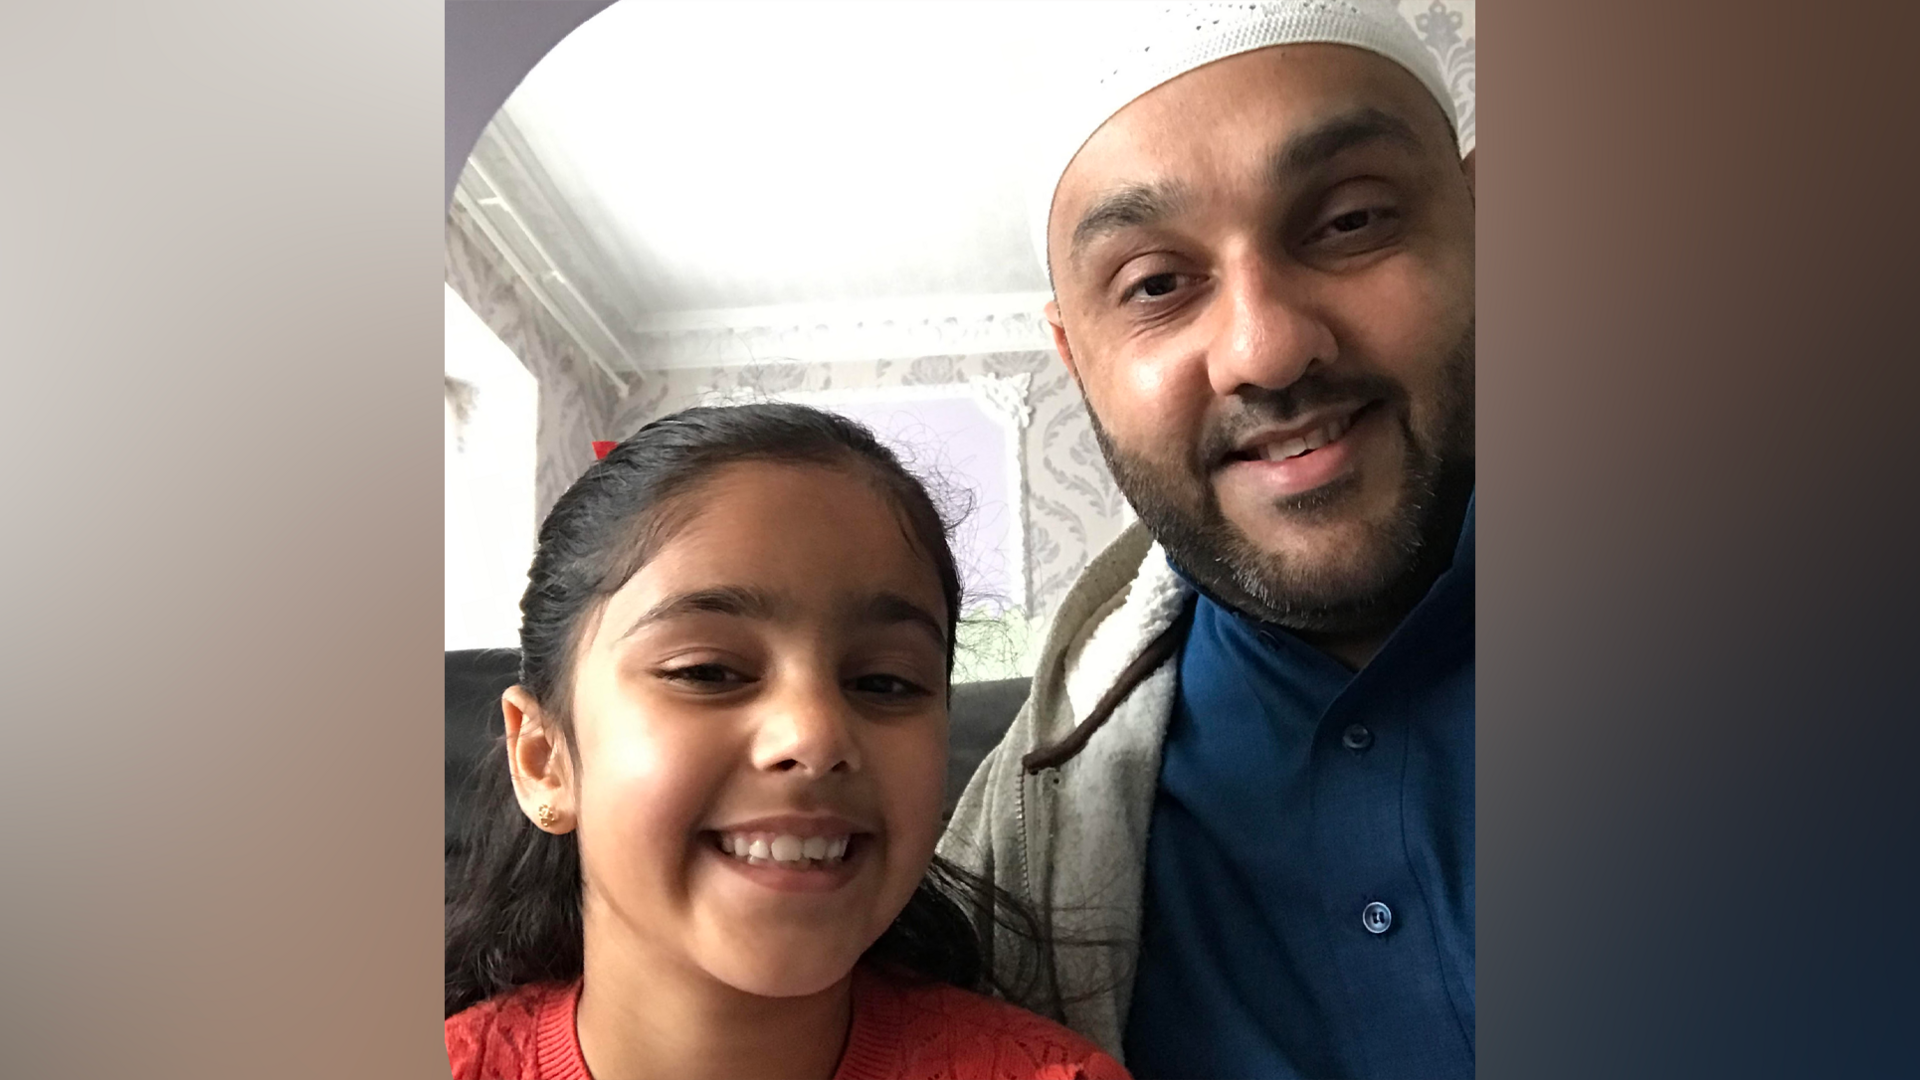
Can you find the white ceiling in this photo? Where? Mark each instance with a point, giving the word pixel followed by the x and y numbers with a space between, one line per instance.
pixel 711 157
pixel 731 182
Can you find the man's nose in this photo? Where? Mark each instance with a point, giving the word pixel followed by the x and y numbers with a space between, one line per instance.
pixel 808 728
pixel 1266 330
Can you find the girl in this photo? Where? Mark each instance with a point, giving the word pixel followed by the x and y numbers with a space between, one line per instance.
pixel 709 842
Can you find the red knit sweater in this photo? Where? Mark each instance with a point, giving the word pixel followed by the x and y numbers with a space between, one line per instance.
pixel 901 1031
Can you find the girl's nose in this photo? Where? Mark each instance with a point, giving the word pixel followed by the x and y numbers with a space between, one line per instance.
pixel 808 728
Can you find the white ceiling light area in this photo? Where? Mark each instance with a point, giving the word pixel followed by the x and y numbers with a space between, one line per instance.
pixel 675 168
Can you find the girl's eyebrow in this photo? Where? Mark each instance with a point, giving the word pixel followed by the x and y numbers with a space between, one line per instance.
pixel 887 607
pixel 748 603
pixel 719 600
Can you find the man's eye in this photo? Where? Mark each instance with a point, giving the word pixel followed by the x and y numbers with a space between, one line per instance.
pixel 1153 286
pixel 1354 221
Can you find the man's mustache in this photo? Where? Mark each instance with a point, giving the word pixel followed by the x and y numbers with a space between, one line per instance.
pixel 1257 407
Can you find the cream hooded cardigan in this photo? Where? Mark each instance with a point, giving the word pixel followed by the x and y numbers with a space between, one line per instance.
pixel 1070 840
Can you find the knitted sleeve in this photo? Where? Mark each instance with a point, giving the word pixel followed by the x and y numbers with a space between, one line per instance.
pixel 947 1034
pixel 494 1040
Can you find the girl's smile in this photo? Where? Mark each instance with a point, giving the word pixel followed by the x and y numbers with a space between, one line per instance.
pixel 794 853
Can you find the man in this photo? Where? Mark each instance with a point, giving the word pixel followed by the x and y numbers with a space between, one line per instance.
pixel 1241 792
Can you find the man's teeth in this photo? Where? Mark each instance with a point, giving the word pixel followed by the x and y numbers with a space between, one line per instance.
pixel 762 849
pixel 1312 440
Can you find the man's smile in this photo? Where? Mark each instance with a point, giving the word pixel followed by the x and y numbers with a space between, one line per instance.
pixel 1280 462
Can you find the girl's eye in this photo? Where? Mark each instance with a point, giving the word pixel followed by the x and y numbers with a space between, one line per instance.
pixel 888 686
pixel 705 676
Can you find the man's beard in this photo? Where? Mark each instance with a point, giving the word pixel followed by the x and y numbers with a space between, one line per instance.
pixel 1398 559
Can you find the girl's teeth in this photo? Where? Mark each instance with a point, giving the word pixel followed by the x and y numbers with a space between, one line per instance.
pixel 781 849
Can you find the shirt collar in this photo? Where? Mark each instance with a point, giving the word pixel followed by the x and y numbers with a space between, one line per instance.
pixel 1463 549
pixel 1458 573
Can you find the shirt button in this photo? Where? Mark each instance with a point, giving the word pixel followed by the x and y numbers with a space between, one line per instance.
pixel 1376 917
pixel 1356 737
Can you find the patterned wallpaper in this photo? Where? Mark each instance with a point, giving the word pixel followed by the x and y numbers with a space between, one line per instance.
pixel 1447 28
pixel 576 400
pixel 1073 507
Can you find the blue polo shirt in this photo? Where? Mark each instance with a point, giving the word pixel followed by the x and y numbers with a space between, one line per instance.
pixel 1309 887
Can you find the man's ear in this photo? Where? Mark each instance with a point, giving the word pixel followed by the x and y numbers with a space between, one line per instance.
pixel 1466 166
pixel 542 773
pixel 1059 333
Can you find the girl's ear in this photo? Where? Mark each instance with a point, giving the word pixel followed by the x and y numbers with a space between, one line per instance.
pixel 542 777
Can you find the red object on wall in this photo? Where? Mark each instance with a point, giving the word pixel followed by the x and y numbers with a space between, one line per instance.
pixel 601 449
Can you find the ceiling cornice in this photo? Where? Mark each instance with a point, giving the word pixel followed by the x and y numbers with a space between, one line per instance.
pixel 881 329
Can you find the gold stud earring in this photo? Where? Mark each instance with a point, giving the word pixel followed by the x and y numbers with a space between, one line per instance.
pixel 545 816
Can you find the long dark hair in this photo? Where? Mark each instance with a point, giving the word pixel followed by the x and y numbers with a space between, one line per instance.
pixel 513 892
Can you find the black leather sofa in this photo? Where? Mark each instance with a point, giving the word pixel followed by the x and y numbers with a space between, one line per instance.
pixel 980 714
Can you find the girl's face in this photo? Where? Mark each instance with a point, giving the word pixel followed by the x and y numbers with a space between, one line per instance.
pixel 761 722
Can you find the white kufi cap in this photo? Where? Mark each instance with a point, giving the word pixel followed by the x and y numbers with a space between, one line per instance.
pixel 1140 46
